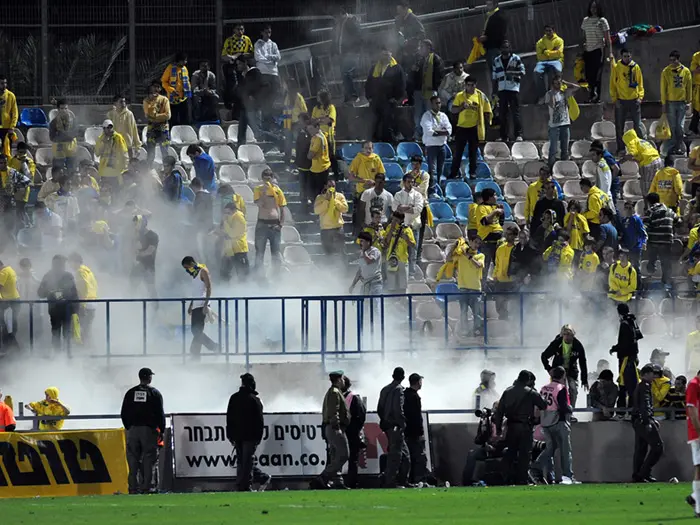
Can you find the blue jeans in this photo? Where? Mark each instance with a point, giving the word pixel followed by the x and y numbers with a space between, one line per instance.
pixel 267 231
pixel 624 109
pixel 676 119
pixel 560 136
pixel 557 437
pixel 542 75
pixel 436 163
pixel 348 68
pixel 420 106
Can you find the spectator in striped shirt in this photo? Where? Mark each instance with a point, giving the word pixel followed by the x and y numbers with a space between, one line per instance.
pixel 659 223
pixel 508 70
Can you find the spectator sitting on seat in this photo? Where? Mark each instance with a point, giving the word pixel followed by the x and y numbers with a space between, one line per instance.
pixel 623 279
pixel 362 171
pixel 452 83
pixel 603 396
pixel 125 123
pixel 204 167
pixel 676 399
pixel 172 180
pixel 588 265
pixel 485 394
pixel 560 256
pixel 205 99
pixel 658 357
pixel 550 59
pixel 376 198
pixel 660 387
pixel 668 184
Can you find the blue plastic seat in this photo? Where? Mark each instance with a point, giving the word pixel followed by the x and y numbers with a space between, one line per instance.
pixel 442 212
pixel 448 153
pixel 483 171
pixel 393 171
pixel 483 184
pixel 350 151
pixel 447 168
pixel 446 288
pixel 33 118
pixel 507 210
pixel 406 150
pixel 458 191
pixel 479 155
pixel 385 150
pixel 462 212
pixel 438 195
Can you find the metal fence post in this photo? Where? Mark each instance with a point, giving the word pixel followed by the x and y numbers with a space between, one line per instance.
pixel 45 51
pixel 219 42
pixel 145 333
pixel 132 51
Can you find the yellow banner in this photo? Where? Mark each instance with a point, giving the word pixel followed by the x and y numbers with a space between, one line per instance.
pixel 79 463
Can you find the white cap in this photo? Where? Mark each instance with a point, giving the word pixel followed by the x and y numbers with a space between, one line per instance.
pixel 107 123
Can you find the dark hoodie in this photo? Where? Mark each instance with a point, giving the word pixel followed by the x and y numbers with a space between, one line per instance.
pixel 627 339
pixel 244 416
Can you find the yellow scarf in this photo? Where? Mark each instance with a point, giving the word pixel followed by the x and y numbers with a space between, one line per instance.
pixel 379 69
pixel 477 52
pixel 428 87
pixel 447 270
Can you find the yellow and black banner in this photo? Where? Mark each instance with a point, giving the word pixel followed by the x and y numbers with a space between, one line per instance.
pixel 78 463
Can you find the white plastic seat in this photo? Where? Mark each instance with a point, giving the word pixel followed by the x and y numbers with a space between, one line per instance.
pixel 589 170
pixel 82 153
pixel 630 125
pixel 519 212
pixel 580 149
pixel 245 192
pixel 44 156
pixel 496 151
pixel 143 154
pixel 507 170
pixel 682 165
pixel 629 169
pixel 296 256
pixel 183 135
pixel 251 215
pixel 222 155
pixel 39 137
pixel 525 151
pixel 158 158
pixel 232 173
pixel 232 134
pixel 290 235
pixel 515 190
pixel 566 169
pixel 20 135
pixel 429 236
pixel 185 159
pixel 432 253
pixel 92 134
pixel 639 207
pixel 632 191
pixel 531 170
pixel 654 325
pixel 210 134
pixel 603 130
pixel 447 232
pixel 572 190
pixel 255 171
pixel 251 154
pixel 431 272
pixel 545 151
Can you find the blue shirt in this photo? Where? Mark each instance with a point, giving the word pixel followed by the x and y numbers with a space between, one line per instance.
pixel 634 234
pixel 608 234
pixel 172 186
pixel 205 170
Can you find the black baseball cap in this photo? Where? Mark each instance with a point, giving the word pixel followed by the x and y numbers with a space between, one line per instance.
pixel 145 373
pixel 414 378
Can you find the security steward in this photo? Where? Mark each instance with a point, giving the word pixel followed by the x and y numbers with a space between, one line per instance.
pixel 648 445
pixel 245 425
pixel 336 419
pixel 144 419
pixel 517 406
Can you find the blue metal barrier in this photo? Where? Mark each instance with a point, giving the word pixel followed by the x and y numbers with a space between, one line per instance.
pixel 334 327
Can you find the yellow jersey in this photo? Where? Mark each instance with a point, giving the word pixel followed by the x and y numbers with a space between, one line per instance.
pixel 469 276
pixel 330 211
pixel 642 150
pixel 8 283
pixel 622 87
pixel 321 160
pixel 365 167
pixel 595 202
pixel 401 250
pixel 272 190
pixel 236 234
pixel 46 408
pixel 481 213
pixel 579 230
pixel 676 85
pixel 669 185
pixel 561 257
pixel 502 263
pixel 695 156
pixel 589 262
pixel 86 283
pixel 9 113
pixel 235 46
pixel 16 164
pixel 328 130
pixel 469 118
pixel 377 233
pixel 622 279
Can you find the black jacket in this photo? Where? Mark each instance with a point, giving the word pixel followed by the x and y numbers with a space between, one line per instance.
pixel 578 356
pixel 358 415
pixel 495 30
pixel 302 160
pixel 244 417
pixel 250 86
pixel 524 261
pixel 390 85
pixel 542 206
pixel 517 405
pixel 627 344
pixel 642 403
pixel 413 409
pixel 143 407
pixel 59 287
pixel 416 79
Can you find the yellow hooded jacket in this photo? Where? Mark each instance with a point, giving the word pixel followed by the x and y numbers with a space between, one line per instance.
pixel 235 228
pixel 86 283
pixel 9 114
pixel 46 408
pixel 676 85
pixel 330 211
pixel 546 49
pixel 114 155
pixel 595 202
pixel 622 279
pixel 669 185
pixel 659 389
pixel 642 151
pixel 622 87
pixel 695 64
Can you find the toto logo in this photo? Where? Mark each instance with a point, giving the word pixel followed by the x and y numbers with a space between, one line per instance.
pixel 67 452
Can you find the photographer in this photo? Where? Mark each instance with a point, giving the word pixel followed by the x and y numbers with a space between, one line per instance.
pixel 491 445
pixel 398 240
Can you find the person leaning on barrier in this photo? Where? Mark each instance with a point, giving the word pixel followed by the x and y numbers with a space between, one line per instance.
pixel 358 415
pixel 517 406
pixel 245 424
pixel 7 416
pixel 648 445
pixel 603 396
pixel 567 351
pixel 336 419
pixel 142 416
pixel 49 406
pixel 392 421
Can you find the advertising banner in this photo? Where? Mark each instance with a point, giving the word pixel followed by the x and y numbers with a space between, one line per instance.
pixel 80 463
pixel 292 446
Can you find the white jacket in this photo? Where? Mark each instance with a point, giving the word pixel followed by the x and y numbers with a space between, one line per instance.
pixel 415 199
pixel 430 122
pixel 267 55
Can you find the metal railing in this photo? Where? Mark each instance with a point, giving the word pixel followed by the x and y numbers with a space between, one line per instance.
pixel 252 329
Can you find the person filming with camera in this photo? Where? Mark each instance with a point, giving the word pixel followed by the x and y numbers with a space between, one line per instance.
pixel 398 240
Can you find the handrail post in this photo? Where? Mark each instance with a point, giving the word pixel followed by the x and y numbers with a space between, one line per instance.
pixel 219 327
pixel 343 325
pixel 324 330
pixel 145 333
pixel 237 332
pixel 31 327
pixel 108 330
pixel 447 319
pixel 226 334
pixel 410 321
pixel 381 309
pixel 182 326
pixel 486 320
pixel 360 321
pixel 247 336
pixel 522 319
pixel 284 326
pixel 335 325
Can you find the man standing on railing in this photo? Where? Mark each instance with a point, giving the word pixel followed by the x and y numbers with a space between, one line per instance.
pixel 347 44
pixel 199 309
pixel 58 287
pixel 143 418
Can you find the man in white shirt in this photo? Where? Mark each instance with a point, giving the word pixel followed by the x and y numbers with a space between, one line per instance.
pixel 409 201
pixel 436 130
pixel 370 267
pixel 205 99
pixel 604 175
pixel 267 56
pixel 376 198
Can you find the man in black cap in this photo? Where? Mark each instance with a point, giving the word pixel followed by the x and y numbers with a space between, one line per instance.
pixel 392 420
pixel 336 419
pixel 143 418
pixel 517 406
pixel 244 429
pixel 627 350
pixel 648 445
pixel 658 357
pixel 415 434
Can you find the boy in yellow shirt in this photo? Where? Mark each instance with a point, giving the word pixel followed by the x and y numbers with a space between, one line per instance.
pixel 577 226
pixel 471 124
pixel 550 60
pixel 330 206
pixel 627 93
pixel 376 229
pixel 362 171
pixel 588 265
pixel 560 256
pixel 503 282
pixel 676 95
pixel 470 269
pixel 622 280
pixel 668 184
pixel 397 239
pixel 319 155
pixel 235 246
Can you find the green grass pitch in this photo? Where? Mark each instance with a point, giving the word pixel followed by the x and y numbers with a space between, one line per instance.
pixel 582 504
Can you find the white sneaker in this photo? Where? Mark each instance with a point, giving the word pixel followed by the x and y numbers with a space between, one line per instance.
pixel 569 481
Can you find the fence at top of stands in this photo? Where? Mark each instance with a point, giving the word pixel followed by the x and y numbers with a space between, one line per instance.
pixel 331 327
